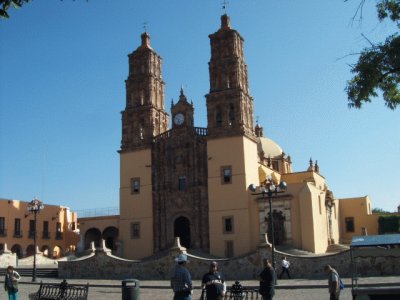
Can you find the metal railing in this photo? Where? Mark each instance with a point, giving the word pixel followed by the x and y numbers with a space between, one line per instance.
pixel 97 212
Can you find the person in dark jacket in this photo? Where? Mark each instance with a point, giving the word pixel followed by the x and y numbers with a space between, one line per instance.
pixel 11 283
pixel 214 283
pixel 267 281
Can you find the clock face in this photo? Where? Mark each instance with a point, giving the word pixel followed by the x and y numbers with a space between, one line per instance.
pixel 178 119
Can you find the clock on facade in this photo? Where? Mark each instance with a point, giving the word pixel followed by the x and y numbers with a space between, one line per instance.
pixel 179 118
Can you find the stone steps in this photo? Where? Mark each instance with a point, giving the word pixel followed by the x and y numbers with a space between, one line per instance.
pixel 335 248
pixel 40 272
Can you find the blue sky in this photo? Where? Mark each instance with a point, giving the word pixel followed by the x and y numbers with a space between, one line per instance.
pixel 63 65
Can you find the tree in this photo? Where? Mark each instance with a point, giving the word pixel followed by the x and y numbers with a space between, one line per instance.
pixel 378 66
pixel 6 4
pixel 378 210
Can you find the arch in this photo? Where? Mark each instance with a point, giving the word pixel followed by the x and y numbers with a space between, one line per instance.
pixel 182 230
pixel 110 235
pixel 92 235
pixel 17 249
pixel 218 117
pixel 1 248
pixel 279 228
pixel 57 252
pixel 30 250
pixel 45 250
pixel 231 114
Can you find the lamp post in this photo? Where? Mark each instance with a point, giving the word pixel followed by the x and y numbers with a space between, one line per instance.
pixel 34 207
pixel 271 190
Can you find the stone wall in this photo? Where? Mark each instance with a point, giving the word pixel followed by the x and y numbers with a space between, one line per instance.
pixel 101 264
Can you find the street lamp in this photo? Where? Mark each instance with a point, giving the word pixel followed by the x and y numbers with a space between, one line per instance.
pixel 34 207
pixel 270 189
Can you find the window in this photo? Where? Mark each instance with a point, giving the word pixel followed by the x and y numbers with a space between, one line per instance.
pixel 349 224
pixel 227 225
pixel 229 249
pixel 231 115
pixel 135 185
pixel 135 230
pixel 2 226
pixel 182 183
pixel 46 233
pixel 320 205
pixel 58 231
pixel 218 118
pixel 17 228
pixel 31 233
pixel 226 174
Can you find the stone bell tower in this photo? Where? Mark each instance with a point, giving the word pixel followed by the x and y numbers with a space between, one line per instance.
pixel 144 118
pixel 231 146
pixel 229 104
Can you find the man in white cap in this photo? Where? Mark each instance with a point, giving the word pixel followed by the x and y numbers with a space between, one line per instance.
pixel 181 281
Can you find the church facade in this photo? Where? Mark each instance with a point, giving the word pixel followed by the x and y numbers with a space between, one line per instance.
pixel 193 182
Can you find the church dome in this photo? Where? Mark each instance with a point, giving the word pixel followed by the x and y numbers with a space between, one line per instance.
pixel 269 147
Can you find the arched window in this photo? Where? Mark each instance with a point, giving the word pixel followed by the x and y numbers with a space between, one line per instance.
pixel 231 115
pixel 218 118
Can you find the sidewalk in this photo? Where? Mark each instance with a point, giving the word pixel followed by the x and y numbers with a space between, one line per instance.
pixel 299 289
pixel 281 283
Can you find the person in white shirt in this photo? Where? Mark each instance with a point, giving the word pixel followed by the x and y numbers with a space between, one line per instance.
pixel 285 268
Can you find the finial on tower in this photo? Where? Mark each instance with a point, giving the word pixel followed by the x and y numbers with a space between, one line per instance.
pixel 145 37
pixel 224 5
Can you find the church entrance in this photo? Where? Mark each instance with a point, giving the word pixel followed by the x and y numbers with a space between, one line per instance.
pixel 182 230
pixel 279 227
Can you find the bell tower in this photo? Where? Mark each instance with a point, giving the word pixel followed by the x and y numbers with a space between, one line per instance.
pixel 229 104
pixel 143 119
pixel 231 145
pixel 144 116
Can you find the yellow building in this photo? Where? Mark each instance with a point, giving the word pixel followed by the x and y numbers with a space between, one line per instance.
pixel 56 233
pixel 193 183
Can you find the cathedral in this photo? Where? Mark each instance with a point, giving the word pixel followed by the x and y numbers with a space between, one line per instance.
pixel 193 183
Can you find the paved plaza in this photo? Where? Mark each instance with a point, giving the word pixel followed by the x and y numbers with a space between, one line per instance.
pixel 299 289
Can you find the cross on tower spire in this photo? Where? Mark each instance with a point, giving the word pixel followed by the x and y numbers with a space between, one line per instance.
pixel 145 26
pixel 224 5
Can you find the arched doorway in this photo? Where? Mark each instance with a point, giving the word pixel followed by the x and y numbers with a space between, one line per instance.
pixel 30 250
pixel 57 252
pixel 110 235
pixel 182 230
pixel 92 235
pixel 17 250
pixel 45 250
pixel 279 227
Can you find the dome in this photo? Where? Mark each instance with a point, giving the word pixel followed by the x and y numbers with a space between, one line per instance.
pixel 269 147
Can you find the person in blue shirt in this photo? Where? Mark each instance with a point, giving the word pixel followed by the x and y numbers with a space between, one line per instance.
pixel 214 283
pixel 181 281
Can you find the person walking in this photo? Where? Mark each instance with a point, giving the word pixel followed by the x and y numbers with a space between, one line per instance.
pixel 285 268
pixel 11 283
pixel 267 281
pixel 333 282
pixel 214 283
pixel 181 281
